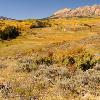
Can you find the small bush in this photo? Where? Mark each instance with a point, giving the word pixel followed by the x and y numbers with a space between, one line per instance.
pixel 9 32
pixel 37 24
pixel 44 60
pixel 82 59
pixel 26 65
pixel 47 60
pixel 86 61
pixel 40 24
pixel 5 90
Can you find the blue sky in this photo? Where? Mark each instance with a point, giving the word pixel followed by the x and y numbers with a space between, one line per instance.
pixel 23 9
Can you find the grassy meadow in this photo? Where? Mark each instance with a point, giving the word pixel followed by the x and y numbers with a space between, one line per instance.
pixel 50 59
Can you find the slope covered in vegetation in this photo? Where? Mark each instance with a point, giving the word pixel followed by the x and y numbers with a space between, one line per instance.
pixel 50 59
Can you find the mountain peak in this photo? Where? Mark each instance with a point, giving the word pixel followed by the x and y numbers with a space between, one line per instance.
pixel 62 11
pixel 85 11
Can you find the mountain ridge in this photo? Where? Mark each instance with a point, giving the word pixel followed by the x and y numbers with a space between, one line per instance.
pixel 5 18
pixel 85 11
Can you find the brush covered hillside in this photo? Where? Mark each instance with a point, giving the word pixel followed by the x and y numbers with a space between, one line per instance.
pixel 50 59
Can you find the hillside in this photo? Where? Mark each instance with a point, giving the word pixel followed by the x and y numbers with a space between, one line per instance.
pixel 50 59
pixel 86 11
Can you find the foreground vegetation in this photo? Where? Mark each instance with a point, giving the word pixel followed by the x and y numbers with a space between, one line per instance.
pixel 50 59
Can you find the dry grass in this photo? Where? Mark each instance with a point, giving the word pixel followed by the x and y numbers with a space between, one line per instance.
pixel 50 79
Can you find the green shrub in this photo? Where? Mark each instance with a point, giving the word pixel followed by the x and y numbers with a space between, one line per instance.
pixel 9 32
pixel 83 60
pixel 40 24
pixel 37 24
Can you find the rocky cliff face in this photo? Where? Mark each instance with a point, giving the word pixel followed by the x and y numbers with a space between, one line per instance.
pixel 86 11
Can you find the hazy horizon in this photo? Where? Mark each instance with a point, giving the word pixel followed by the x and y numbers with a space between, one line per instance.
pixel 24 9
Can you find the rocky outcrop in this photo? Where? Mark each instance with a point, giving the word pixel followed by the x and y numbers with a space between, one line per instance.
pixel 86 11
